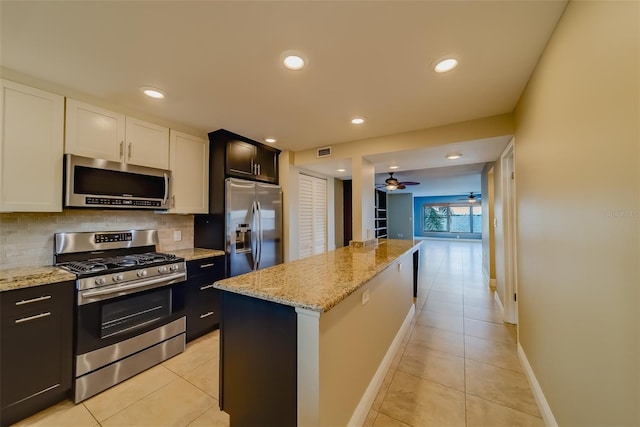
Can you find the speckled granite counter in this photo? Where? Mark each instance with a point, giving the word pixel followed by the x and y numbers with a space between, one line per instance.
pixel 322 281
pixel 196 253
pixel 17 278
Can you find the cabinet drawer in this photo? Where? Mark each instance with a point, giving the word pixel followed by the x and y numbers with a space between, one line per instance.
pixel 209 267
pixel 203 310
pixel 25 302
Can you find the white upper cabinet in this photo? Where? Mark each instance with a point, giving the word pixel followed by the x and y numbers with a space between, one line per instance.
pixel 189 164
pixel 94 132
pixel 31 149
pixel 98 133
pixel 147 144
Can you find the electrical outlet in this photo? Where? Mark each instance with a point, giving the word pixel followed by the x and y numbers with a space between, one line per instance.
pixel 365 297
pixel 177 235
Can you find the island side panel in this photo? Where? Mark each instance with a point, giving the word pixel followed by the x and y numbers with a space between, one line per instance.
pixel 258 355
pixel 344 347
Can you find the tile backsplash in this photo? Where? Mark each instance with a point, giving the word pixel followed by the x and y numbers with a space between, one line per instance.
pixel 26 239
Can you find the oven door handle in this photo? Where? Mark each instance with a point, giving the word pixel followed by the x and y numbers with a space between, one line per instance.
pixel 114 291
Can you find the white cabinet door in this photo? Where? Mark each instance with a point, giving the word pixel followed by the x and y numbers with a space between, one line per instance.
pixel 102 134
pixel 94 132
pixel 189 164
pixel 31 142
pixel 147 144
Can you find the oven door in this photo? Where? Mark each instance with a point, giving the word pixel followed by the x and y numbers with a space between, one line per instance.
pixel 108 321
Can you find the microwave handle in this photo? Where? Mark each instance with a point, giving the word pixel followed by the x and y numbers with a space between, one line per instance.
pixel 166 188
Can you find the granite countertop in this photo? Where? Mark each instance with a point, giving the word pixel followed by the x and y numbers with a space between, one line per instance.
pixel 18 278
pixel 319 282
pixel 196 253
pixel 25 277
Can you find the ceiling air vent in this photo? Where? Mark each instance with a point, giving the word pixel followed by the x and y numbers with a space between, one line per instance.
pixel 324 152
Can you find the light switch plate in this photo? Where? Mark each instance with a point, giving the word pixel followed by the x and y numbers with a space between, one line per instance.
pixel 177 235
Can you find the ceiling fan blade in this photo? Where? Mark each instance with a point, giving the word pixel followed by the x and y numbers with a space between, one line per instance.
pixel 409 183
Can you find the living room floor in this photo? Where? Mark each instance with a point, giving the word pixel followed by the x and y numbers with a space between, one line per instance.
pixel 457 366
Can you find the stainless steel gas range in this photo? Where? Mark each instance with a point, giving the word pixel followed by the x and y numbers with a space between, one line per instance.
pixel 129 305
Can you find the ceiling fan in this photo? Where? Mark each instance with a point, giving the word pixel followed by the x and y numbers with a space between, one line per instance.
pixel 392 183
pixel 472 198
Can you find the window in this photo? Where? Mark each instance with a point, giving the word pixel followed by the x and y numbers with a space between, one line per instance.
pixel 452 218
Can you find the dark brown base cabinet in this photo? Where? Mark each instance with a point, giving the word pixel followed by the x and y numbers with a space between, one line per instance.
pixel 202 301
pixel 36 333
pixel 258 362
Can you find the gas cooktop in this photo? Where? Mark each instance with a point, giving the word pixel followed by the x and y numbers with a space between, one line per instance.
pixel 118 263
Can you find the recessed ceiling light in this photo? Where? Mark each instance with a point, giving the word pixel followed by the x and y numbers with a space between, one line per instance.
pixel 393 167
pixel 445 65
pixel 293 62
pixel 342 170
pixel 357 120
pixel 152 92
pixel 270 140
pixel 453 155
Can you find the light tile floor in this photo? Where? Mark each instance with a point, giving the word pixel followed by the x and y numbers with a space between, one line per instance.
pixel 457 366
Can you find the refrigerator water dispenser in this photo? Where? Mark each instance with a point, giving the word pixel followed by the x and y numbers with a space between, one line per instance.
pixel 243 239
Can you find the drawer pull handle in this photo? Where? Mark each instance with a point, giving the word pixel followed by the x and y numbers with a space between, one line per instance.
pixel 29 301
pixel 202 288
pixel 37 316
pixel 202 316
pixel 207 265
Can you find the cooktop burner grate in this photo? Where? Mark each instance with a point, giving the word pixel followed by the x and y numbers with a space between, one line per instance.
pixel 95 265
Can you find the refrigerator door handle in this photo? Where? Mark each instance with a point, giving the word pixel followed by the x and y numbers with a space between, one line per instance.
pixel 259 235
pixel 254 236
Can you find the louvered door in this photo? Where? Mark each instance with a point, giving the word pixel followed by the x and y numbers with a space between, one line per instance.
pixel 312 216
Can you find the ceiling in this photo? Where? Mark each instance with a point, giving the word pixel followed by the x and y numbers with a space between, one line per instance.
pixel 219 62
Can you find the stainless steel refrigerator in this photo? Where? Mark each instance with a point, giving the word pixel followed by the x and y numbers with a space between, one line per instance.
pixel 253 218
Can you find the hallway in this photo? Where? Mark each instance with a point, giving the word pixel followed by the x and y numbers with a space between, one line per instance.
pixel 458 364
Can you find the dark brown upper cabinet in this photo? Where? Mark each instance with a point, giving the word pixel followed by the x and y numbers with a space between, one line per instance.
pixel 243 157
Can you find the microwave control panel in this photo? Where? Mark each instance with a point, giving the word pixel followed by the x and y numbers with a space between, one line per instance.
pixel 115 202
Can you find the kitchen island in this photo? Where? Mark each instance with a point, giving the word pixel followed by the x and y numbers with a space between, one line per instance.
pixel 308 342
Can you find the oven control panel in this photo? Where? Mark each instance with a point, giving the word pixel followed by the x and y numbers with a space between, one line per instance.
pixel 113 237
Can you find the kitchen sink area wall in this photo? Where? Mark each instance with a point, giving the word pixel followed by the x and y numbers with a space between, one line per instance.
pixel 26 239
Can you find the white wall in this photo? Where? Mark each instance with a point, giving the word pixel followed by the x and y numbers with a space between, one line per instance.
pixel 578 203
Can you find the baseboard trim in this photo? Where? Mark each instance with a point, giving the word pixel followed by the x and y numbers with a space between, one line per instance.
pixel 543 405
pixel 364 406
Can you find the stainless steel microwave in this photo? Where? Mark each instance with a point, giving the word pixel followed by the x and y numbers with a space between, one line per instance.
pixel 97 183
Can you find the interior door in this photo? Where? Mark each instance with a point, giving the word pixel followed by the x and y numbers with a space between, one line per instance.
pixel 241 232
pixel 269 199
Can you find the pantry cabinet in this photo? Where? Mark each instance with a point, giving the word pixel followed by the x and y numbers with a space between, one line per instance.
pixel 188 162
pixel 99 133
pixel 31 142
